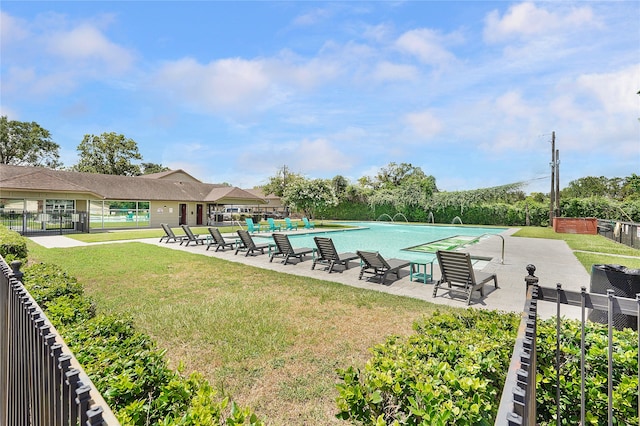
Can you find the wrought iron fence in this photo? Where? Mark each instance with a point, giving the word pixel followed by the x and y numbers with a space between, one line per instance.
pixel 41 382
pixel 34 222
pixel 518 403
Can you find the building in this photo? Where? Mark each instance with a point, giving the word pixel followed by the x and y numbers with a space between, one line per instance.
pixel 36 199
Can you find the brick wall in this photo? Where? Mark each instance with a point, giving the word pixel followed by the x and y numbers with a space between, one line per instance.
pixel 575 225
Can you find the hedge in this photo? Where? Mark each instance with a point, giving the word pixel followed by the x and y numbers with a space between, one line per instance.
pixel 500 214
pixel 13 246
pixel 452 370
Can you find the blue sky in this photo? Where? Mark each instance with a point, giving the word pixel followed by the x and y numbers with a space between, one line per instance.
pixel 232 91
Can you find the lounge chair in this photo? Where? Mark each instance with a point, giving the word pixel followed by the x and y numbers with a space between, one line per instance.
pixel 191 237
pixel 273 226
pixel 252 227
pixel 327 253
pixel 218 240
pixel 169 235
pixel 248 245
pixel 307 224
pixel 373 263
pixel 285 249
pixel 456 270
pixel 291 226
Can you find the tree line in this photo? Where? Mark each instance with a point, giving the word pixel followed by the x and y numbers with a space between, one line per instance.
pixel 29 144
pixel 396 188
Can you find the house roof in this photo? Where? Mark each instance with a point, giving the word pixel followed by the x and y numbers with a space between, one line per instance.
pixel 259 193
pixel 112 187
pixel 170 174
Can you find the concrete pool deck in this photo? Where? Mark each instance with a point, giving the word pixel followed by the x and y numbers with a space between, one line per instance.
pixel 554 261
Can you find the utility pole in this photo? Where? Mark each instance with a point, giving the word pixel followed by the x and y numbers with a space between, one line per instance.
pixel 553 177
pixel 557 164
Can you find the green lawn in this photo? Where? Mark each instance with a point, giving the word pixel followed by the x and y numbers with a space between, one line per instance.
pixel 272 340
pixel 589 249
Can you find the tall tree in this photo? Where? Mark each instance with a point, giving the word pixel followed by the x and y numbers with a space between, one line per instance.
pixel 109 154
pixel 592 186
pixel 149 168
pixel 395 175
pixel 278 184
pixel 27 144
pixel 340 184
pixel 309 195
pixel 631 187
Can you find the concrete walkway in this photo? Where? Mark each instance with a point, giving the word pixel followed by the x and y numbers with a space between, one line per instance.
pixel 553 259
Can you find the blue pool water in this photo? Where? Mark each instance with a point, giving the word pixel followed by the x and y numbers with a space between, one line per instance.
pixel 389 238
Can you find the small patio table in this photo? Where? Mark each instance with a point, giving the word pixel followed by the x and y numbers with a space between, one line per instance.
pixel 418 270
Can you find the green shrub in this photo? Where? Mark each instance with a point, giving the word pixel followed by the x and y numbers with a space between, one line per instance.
pixel 13 246
pixel 450 372
pixel 625 370
pixel 125 365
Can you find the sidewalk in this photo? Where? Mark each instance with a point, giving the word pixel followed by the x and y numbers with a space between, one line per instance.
pixel 554 262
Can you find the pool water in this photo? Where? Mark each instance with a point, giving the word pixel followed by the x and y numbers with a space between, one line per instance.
pixel 391 239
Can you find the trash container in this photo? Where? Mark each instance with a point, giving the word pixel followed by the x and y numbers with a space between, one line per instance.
pixel 624 282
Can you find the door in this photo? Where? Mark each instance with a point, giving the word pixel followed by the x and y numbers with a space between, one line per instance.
pixel 182 219
pixel 199 212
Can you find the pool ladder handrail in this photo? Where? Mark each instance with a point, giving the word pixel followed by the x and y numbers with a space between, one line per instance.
pixel 502 238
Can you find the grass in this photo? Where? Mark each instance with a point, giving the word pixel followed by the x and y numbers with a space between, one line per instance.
pixel 589 249
pixel 271 340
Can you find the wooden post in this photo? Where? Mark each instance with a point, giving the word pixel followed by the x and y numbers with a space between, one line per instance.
pixel 553 177
pixel 557 168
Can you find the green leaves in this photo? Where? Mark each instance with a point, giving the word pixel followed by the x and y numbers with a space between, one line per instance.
pixel 125 364
pixel 27 144
pixel 109 154
pixel 13 246
pixel 310 195
pixel 625 379
pixel 450 372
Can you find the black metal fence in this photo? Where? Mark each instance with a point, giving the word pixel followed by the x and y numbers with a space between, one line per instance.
pixel 41 382
pixel 518 403
pixel 33 222
pixel 627 233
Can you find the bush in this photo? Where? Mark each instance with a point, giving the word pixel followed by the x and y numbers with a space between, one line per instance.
pixel 625 370
pixel 125 365
pixel 450 372
pixel 13 246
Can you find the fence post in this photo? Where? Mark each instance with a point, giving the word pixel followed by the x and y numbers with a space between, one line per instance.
pixel 530 279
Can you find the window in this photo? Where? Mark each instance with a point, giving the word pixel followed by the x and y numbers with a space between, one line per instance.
pixel 60 206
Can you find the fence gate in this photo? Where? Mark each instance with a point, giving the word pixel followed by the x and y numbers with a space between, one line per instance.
pixel 35 223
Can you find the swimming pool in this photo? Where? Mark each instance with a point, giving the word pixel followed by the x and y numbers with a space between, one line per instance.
pixel 390 239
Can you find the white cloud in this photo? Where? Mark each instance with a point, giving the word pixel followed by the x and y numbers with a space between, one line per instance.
pixel 387 71
pixel 427 45
pixel 85 42
pixel 47 57
pixel 378 33
pixel 320 155
pixel 512 105
pixel 11 30
pixel 424 124
pixel 312 17
pixel 227 83
pixel 616 91
pixel 527 20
